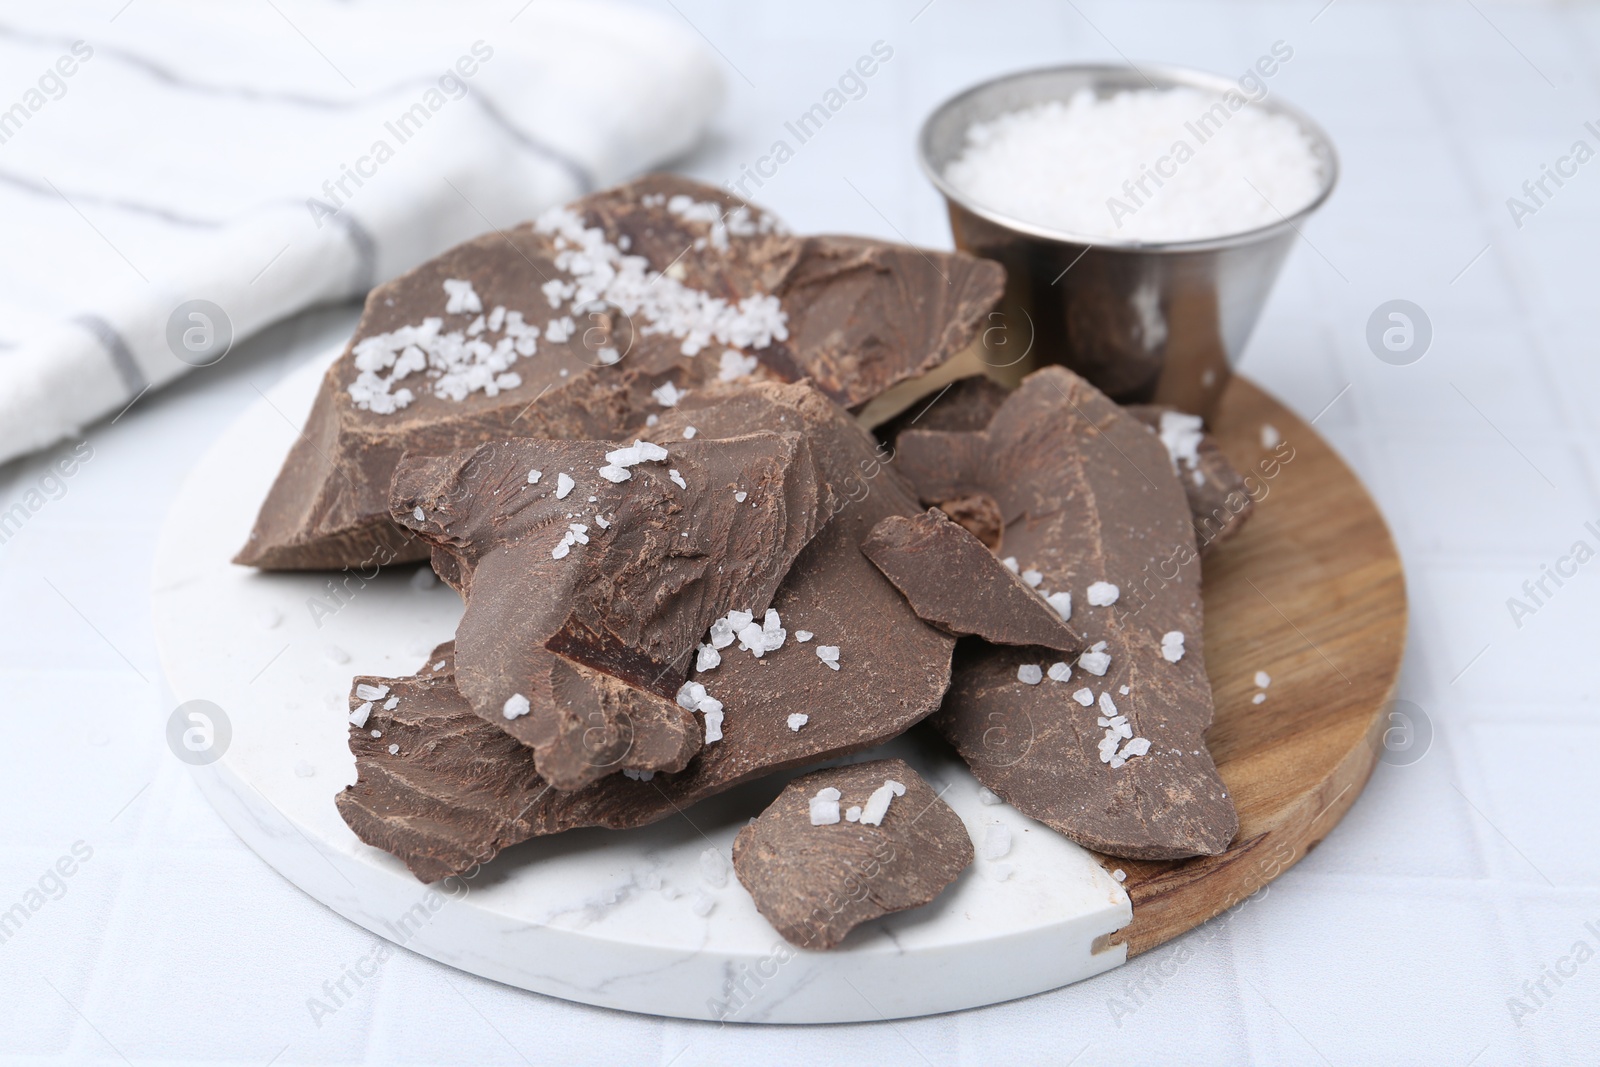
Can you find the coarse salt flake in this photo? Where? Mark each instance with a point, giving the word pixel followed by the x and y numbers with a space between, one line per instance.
pixel 1103 594
pixel 564 484
pixel 825 807
pixel 1029 674
pixel 797 720
pixel 1059 672
pixel 1172 646
pixel 1084 696
pixel 1263 679
pixel 1062 602
pixel 877 805
pixel 516 706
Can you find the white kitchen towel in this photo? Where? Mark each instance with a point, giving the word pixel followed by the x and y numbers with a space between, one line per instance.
pixel 177 174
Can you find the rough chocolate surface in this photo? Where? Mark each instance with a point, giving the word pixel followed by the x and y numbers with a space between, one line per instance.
pixel 1215 488
pixel 816 883
pixel 455 792
pixel 586 596
pixel 894 668
pixel 860 315
pixel 952 581
pixel 965 406
pixel 1088 495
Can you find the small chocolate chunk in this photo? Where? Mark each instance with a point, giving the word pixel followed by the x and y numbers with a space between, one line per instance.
pixel 958 585
pixel 455 792
pixel 817 874
pixel 1218 497
pixel 964 407
pixel 624 584
pixel 1090 503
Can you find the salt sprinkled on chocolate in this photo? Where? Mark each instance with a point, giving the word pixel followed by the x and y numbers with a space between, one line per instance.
pixel 564 484
pixel 677 479
pixel 1103 594
pixel 668 394
pixel 689 432
pixel 358 718
pixel 391 703
pixel 371 692
pixel 1030 674
pixel 516 705
pixel 825 807
pixel 534 476
pixel 1263 679
pixel 1084 696
pixel 797 720
pixel 707 658
pixel 877 805
pixel 735 365
pixel 829 654
pixel 1172 646
pixel 1062 602
pixel 803 635
pixel 1010 564
pixel 1059 672
pixel 1096 661
pixel 1182 435
pixel 1033 578
pixel 462 297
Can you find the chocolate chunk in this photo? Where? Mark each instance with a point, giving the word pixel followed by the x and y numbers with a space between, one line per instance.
pixel 456 790
pixel 815 882
pixel 1216 490
pixel 543 349
pixel 958 585
pixel 894 668
pixel 621 573
pixel 1088 497
pixel 966 405
pixel 978 514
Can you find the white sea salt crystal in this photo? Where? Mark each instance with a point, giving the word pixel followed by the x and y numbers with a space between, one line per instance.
pixel 1120 875
pixel 825 807
pixel 564 484
pixel 1123 690
pixel 394 750
pixel 652 419
pixel 377 733
pixel 371 692
pixel 714 868
pixel 534 476
pixel 1263 679
pixel 987 796
pixel 358 718
pixel 1259 698
pixel 616 475
pixel 1103 594
pixel 1084 696
pixel 877 805
pixel 1096 663
pixel 690 694
pixel 803 635
pixel 1182 435
pixel 1062 602
pixel 712 710
pixel 1106 705
pixel 829 654
pixel 740 495
pixel 462 298
pixel 1270 437
pixel 853 814
pixel 1172 646
pixel 797 720
pixel 391 703
pixel 1136 747
pixel 1010 564
pixel 721 633
pixel 668 394
pixel 707 658
pixel 1033 578
pixel 516 705
pixel 1029 674
pixel 735 365
pixel 602 522
pixel 417 513
pixel 677 479
pixel 753 639
pixel 607 356
pixel 996 841
pixel 740 619
pixel 1059 672
pixel 1085 165
pixel 689 432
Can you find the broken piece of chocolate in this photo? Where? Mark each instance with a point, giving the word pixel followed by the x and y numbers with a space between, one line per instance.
pixel 583 325
pixel 592 570
pixel 1217 494
pixel 954 582
pixel 1109 748
pixel 962 407
pixel 453 791
pixel 816 873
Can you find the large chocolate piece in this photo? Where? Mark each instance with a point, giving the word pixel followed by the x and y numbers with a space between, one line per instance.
pixel 954 582
pixel 693 287
pixel 1088 497
pixel 621 578
pixel 815 881
pixel 894 668
pixel 1216 490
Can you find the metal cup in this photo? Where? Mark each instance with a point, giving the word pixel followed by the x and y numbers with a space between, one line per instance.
pixel 1146 322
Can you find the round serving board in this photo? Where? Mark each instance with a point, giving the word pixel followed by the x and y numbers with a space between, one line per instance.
pixel 652 919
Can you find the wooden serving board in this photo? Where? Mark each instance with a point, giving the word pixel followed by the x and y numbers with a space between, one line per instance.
pixel 1310 591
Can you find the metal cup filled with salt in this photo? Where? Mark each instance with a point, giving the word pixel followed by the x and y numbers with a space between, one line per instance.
pixel 1144 275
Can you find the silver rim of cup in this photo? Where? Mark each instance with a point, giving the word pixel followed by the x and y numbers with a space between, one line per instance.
pixel 968 107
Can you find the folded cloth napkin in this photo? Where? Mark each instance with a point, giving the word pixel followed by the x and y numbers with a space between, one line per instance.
pixel 177 174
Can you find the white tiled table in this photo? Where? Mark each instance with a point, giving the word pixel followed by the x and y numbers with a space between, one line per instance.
pixel 1453 881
